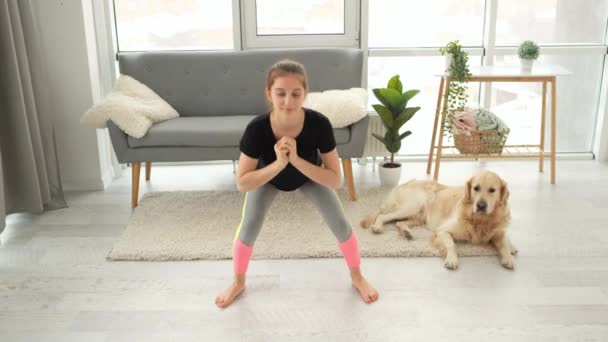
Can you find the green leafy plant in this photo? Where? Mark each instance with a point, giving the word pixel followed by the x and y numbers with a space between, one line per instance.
pixel 528 50
pixel 459 75
pixel 452 47
pixel 394 113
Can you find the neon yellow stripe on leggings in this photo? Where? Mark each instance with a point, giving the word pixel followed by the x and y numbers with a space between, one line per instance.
pixel 238 230
pixel 338 199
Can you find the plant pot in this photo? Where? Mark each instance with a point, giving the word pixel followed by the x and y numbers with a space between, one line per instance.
pixel 448 61
pixel 526 64
pixel 389 176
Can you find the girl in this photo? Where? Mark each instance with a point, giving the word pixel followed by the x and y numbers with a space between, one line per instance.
pixel 280 152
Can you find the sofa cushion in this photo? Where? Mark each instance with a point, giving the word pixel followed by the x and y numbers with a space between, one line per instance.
pixel 206 131
pixel 132 106
pixel 342 107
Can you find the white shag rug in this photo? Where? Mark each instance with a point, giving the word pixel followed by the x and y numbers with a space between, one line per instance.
pixel 181 225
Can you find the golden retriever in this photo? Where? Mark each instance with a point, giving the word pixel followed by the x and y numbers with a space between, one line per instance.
pixel 478 213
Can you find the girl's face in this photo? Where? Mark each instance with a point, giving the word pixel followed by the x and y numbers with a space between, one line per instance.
pixel 287 94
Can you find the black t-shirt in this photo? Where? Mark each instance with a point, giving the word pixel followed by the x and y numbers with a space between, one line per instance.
pixel 317 136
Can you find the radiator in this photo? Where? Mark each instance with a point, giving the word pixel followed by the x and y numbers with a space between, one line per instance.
pixel 373 146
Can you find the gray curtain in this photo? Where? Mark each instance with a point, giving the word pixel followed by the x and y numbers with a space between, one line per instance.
pixel 2 206
pixel 29 171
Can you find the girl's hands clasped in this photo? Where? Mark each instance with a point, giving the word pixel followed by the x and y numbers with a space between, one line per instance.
pixel 291 146
pixel 282 153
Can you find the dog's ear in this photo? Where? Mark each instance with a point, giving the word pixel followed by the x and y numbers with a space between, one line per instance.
pixel 504 192
pixel 467 191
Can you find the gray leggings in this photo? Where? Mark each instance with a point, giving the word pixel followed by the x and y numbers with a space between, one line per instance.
pixel 259 200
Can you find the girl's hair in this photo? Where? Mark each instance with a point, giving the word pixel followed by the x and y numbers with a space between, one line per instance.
pixel 286 67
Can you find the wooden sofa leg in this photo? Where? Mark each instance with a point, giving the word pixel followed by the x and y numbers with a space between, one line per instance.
pixel 148 170
pixel 135 168
pixel 348 174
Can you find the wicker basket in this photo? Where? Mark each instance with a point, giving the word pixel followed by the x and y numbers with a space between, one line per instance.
pixel 481 142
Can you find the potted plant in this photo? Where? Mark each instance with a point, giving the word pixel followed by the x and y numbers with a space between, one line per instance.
pixel 451 49
pixel 458 71
pixel 528 53
pixel 394 113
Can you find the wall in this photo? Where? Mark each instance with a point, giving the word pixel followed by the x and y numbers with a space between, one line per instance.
pixel 68 38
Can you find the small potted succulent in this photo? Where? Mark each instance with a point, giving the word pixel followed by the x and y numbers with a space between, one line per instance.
pixel 528 53
pixel 394 113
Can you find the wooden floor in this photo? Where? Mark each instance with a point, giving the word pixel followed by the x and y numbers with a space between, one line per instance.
pixel 55 284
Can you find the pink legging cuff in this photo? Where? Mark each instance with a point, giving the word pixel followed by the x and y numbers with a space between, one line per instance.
pixel 241 256
pixel 350 250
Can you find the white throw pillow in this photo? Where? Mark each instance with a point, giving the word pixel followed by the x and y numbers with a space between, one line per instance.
pixel 341 107
pixel 132 106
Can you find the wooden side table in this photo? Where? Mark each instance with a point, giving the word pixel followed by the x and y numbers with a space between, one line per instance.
pixel 545 74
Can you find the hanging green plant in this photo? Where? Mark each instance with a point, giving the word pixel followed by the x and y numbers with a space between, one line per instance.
pixel 458 71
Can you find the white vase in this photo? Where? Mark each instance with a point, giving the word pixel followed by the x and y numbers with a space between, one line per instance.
pixel 389 176
pixel 448 61
pixel 526 64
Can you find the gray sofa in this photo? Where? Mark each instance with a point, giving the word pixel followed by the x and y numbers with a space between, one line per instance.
pixel 217 93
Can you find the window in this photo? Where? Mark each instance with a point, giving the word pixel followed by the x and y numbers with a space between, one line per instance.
pixel 280 23
pixel 571 34
pixel 551 22
pixel 519 104
pixel 405 37
pixel 174 25
pixel 431 23
pixel 280 17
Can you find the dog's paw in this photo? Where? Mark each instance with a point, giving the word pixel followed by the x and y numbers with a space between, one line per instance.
pixel 407 233
pixel 451 263
pixel 377 229
pixel 508 262
pixel 514 250
pixel 405 230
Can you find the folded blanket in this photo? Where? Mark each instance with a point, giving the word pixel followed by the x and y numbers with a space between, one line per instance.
pixel 488 121
pixel 464 121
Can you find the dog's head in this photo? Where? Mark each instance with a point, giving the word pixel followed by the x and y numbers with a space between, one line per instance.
pixel 485 192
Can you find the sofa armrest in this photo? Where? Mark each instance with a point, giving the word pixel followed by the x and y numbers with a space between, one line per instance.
pixel 119 142
pixel 358 138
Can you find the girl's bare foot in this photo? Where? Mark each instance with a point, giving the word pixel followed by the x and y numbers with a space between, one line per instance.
pixel 229 294
pixel 367 292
